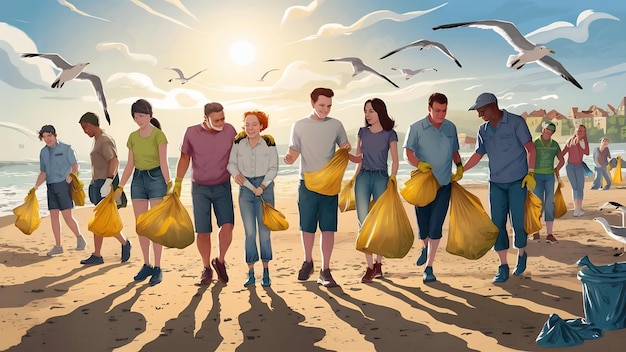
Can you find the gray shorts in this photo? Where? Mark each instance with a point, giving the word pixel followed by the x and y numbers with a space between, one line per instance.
pixel 218 197
pixel 60 196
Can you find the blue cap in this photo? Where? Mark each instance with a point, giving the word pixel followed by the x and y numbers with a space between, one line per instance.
pixel 482 100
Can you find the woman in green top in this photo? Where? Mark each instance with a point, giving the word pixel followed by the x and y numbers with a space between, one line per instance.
pixel 547 150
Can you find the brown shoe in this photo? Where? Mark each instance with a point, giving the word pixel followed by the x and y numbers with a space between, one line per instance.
pixel 306 271
pixel 551 239
pixel 220 269
pixel 206 277
pixel 536 237
pixel 369 275
pixel 326 279
pixel 378 270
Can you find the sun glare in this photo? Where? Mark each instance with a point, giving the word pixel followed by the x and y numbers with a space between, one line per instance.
pixel 242 52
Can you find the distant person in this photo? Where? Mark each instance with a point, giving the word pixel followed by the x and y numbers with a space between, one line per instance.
pixel 576 147
pixel 373 144
pixel 56 161
pixel 206 146
pixel 432 145
pixel 147 161
pixel 506 139
pixel 314 138
pixel 601 158
pixel 104 164
pixel 547 149
pixel 253 164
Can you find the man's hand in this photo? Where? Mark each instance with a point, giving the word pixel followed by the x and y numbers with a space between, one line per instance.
pixel 458 175
pixel 289 159
pixel 106 187
pixel 168 186
pixel 424 166
pixel 558 179
pixel 529 181
pixel 178 185
pixel 240 179
pixel 608 167
pixel 556 172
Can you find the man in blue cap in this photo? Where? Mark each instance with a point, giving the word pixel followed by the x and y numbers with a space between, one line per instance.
pixel 506 139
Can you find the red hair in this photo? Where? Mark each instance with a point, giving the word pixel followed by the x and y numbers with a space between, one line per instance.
pixel 263 118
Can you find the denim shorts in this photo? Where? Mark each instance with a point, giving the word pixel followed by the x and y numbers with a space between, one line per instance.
pixel 316 208
pixel 60 196
pixel 94 192
pixel 430 218
pixel 220 197
pixel 148 184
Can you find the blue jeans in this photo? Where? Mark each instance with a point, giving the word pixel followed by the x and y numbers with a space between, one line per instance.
pixel 148 184
pixel 600 173
pixel 430 218
pixel 508 199
pixel 251 208
pixel 576 176
pixel 369 184
pixel 545 191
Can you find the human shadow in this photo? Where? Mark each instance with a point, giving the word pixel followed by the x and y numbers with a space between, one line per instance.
pixel 276 328
pixel 178 333
pixel 92 327
pixel 385 327
pixel 546 295
pixel 45 287
pixel 17 256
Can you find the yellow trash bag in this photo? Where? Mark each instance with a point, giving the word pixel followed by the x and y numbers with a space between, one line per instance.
pixel 472 233
pixel 560 208
pixel 532 213
pixel 168 223
pixel 346 196
pixel 327 180
pixel 78 193
pixel 421 189
pixel 617 171
pixel 273 219
pixel 106 221
pixel 386 230
pixel 27 215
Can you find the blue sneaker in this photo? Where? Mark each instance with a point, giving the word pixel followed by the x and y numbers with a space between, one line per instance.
pixel 521 264
pixel 422 259
pixel 265 281
pixel 126 251
pixel 93 260
pixel 157 276
pixel 146 270
pixel 502 275
pixel 428 275
pixel 251 280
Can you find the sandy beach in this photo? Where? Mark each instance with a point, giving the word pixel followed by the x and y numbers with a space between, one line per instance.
pixel 56 304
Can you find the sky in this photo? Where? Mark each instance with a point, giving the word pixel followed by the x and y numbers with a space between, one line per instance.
pixel 131 44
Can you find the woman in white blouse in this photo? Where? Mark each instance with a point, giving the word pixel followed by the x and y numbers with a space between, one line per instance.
pixel 253 164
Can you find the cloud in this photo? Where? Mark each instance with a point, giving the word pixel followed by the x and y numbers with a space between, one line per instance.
pixel 598 87
pixel 74 9
pixel 294 12
pixel 133 81
pixel 182 7
pixel 578 33
pixel 473 87
pixel 158 14
pixel 334 29
pixel 25 130
pixel 549 96
pixel 123 48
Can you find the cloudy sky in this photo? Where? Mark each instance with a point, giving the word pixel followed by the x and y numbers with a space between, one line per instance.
pixel 130 44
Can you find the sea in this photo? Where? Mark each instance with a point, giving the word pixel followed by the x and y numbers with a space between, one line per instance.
pixel 18 177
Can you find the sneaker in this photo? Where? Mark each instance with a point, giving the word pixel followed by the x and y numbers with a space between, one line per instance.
pixel 93 260
pixel 422 259
pixel 81 244
pixel 306 271
pixel 146 270
pixel 428 275
pixel 220 269
pixel 378 270
pixel 520 267
pixel 326 279
pixel 369 275
pixel 126 251
pixel 157 276
pixel 502 275
pixel 551 239
pixel 536 237
pixel 206 277
pixel 265 281
pixel 55 250
pixel 251 280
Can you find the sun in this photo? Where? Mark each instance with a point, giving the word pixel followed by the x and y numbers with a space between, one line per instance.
pixel 242 52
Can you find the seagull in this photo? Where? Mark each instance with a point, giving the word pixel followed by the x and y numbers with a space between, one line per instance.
pixel 265 74
pixel 359 67
pixel 181 77
pixel 618 233
pixel 408 73
pixel 69 72
pixel 528 51
pixel 426 44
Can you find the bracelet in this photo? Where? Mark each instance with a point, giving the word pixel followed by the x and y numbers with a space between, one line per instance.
pixel 460 163
pixel 263 186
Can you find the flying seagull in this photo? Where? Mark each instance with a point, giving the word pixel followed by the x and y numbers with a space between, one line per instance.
pixel 408 73
pixel 528 51
pixel 265 74
pixel 426 44
pixel 618 233
pixel 359 67
pixel 69 72
pixel 181 77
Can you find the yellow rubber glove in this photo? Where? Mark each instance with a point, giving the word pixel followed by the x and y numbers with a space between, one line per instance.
pixel 608 167
pixel 458 175
pixel 168 186
pixel 529 181
pixel 178 184
pixel 424 166
pixel 393 178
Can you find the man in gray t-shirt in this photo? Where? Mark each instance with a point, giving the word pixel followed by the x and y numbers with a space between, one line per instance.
pixel 314 138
